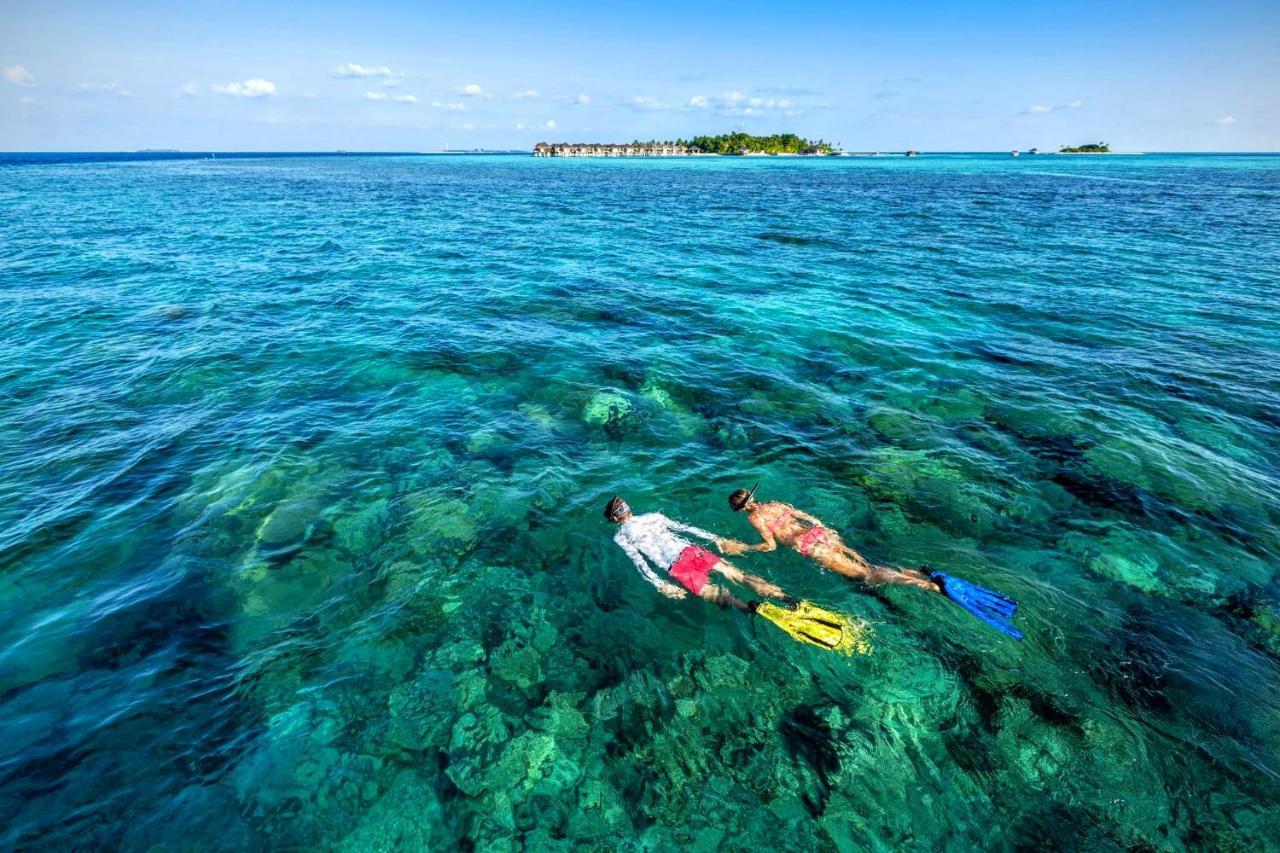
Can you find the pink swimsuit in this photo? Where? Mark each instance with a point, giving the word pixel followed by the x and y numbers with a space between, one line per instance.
pixel 811 537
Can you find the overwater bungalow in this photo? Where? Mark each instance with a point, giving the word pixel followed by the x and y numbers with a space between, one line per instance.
pixel 657 149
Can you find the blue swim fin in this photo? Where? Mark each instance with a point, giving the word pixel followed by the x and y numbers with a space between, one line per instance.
pixel 991 607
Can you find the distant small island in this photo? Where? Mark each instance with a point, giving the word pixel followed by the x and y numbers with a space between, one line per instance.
pixel 1089 148
pixel 736 144
pixel 744 143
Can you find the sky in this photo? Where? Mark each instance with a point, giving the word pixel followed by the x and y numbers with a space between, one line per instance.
pixel 319 76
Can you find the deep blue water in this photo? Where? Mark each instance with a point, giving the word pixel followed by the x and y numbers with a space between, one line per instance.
pixel 303 461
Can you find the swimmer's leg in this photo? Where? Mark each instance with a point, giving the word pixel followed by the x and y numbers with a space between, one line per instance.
pixel 721 597
pixel 761 586
pixel 848 562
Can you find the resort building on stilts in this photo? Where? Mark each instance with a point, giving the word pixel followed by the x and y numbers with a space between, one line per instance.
pixel 656 149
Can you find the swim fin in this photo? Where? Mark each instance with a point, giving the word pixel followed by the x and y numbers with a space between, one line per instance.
pixel 991 607
pixel 811 624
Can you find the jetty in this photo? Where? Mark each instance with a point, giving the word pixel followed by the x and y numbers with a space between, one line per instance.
pixel 661 149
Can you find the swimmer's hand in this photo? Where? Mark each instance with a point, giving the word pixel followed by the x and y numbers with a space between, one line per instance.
pixel 731 547
pixel 673 591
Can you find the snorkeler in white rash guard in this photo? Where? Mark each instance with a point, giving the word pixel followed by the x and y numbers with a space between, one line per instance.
pixel 652 537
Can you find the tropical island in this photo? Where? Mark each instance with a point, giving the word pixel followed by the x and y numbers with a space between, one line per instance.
pixel 1090 148
pixel 736 144
pixel 745 143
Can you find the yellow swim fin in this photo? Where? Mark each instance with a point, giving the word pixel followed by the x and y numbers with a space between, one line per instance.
pixel 810 624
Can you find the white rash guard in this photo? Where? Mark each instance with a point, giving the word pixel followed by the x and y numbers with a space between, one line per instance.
pixel 650 535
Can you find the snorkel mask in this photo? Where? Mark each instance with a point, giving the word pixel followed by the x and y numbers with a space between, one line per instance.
pixel 740 499
pixel 616 509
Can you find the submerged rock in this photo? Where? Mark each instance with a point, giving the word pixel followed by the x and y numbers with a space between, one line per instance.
pixel 601 811
pixel 759 405
pixel 422 711
pixel 386 659
pixel 292 757
pixel 651 390
pixel 723 671
pixel 409 816
pixel 962 405
pixel 485 440
pixel 606 407
pixel 897 426
pixel 289 524
pixel 1119 556
pixel 517 662
pixel 562 719
pixel 363 529
pixel 439 523
pixel 538 414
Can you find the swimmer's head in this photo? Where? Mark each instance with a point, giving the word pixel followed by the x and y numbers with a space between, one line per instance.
pixel 616 510
pixel 740 499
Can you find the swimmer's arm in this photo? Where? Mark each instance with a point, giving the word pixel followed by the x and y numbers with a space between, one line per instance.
pixel 767 542
pixel 667 588
pixel 694 531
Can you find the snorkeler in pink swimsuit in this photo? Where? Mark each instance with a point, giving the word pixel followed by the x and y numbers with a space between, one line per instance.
pixel 782 524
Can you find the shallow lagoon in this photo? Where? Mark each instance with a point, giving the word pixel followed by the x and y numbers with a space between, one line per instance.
pixel 304 462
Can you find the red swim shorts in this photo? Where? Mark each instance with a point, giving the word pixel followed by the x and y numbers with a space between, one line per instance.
pixel 692 568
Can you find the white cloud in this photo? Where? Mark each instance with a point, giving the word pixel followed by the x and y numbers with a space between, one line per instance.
pixel 1041 109
pixel 104 89
pixel 466 125
pixel 26 99
pixel 18 76
pixel 453 106
pixel 551 124
pixel 1225 120
pixel 735 103
pixel 188 90
pixel 519 125
pixel 352 69
pixel 471 90
pixel 255 87
pixel 527 94
pixel 383 96
pixel 644 102
pixel 582 100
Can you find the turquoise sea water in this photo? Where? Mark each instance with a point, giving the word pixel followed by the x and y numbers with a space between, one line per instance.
pixel 303 464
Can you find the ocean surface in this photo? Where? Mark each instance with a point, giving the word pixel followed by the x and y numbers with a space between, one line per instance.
pixel 303 462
